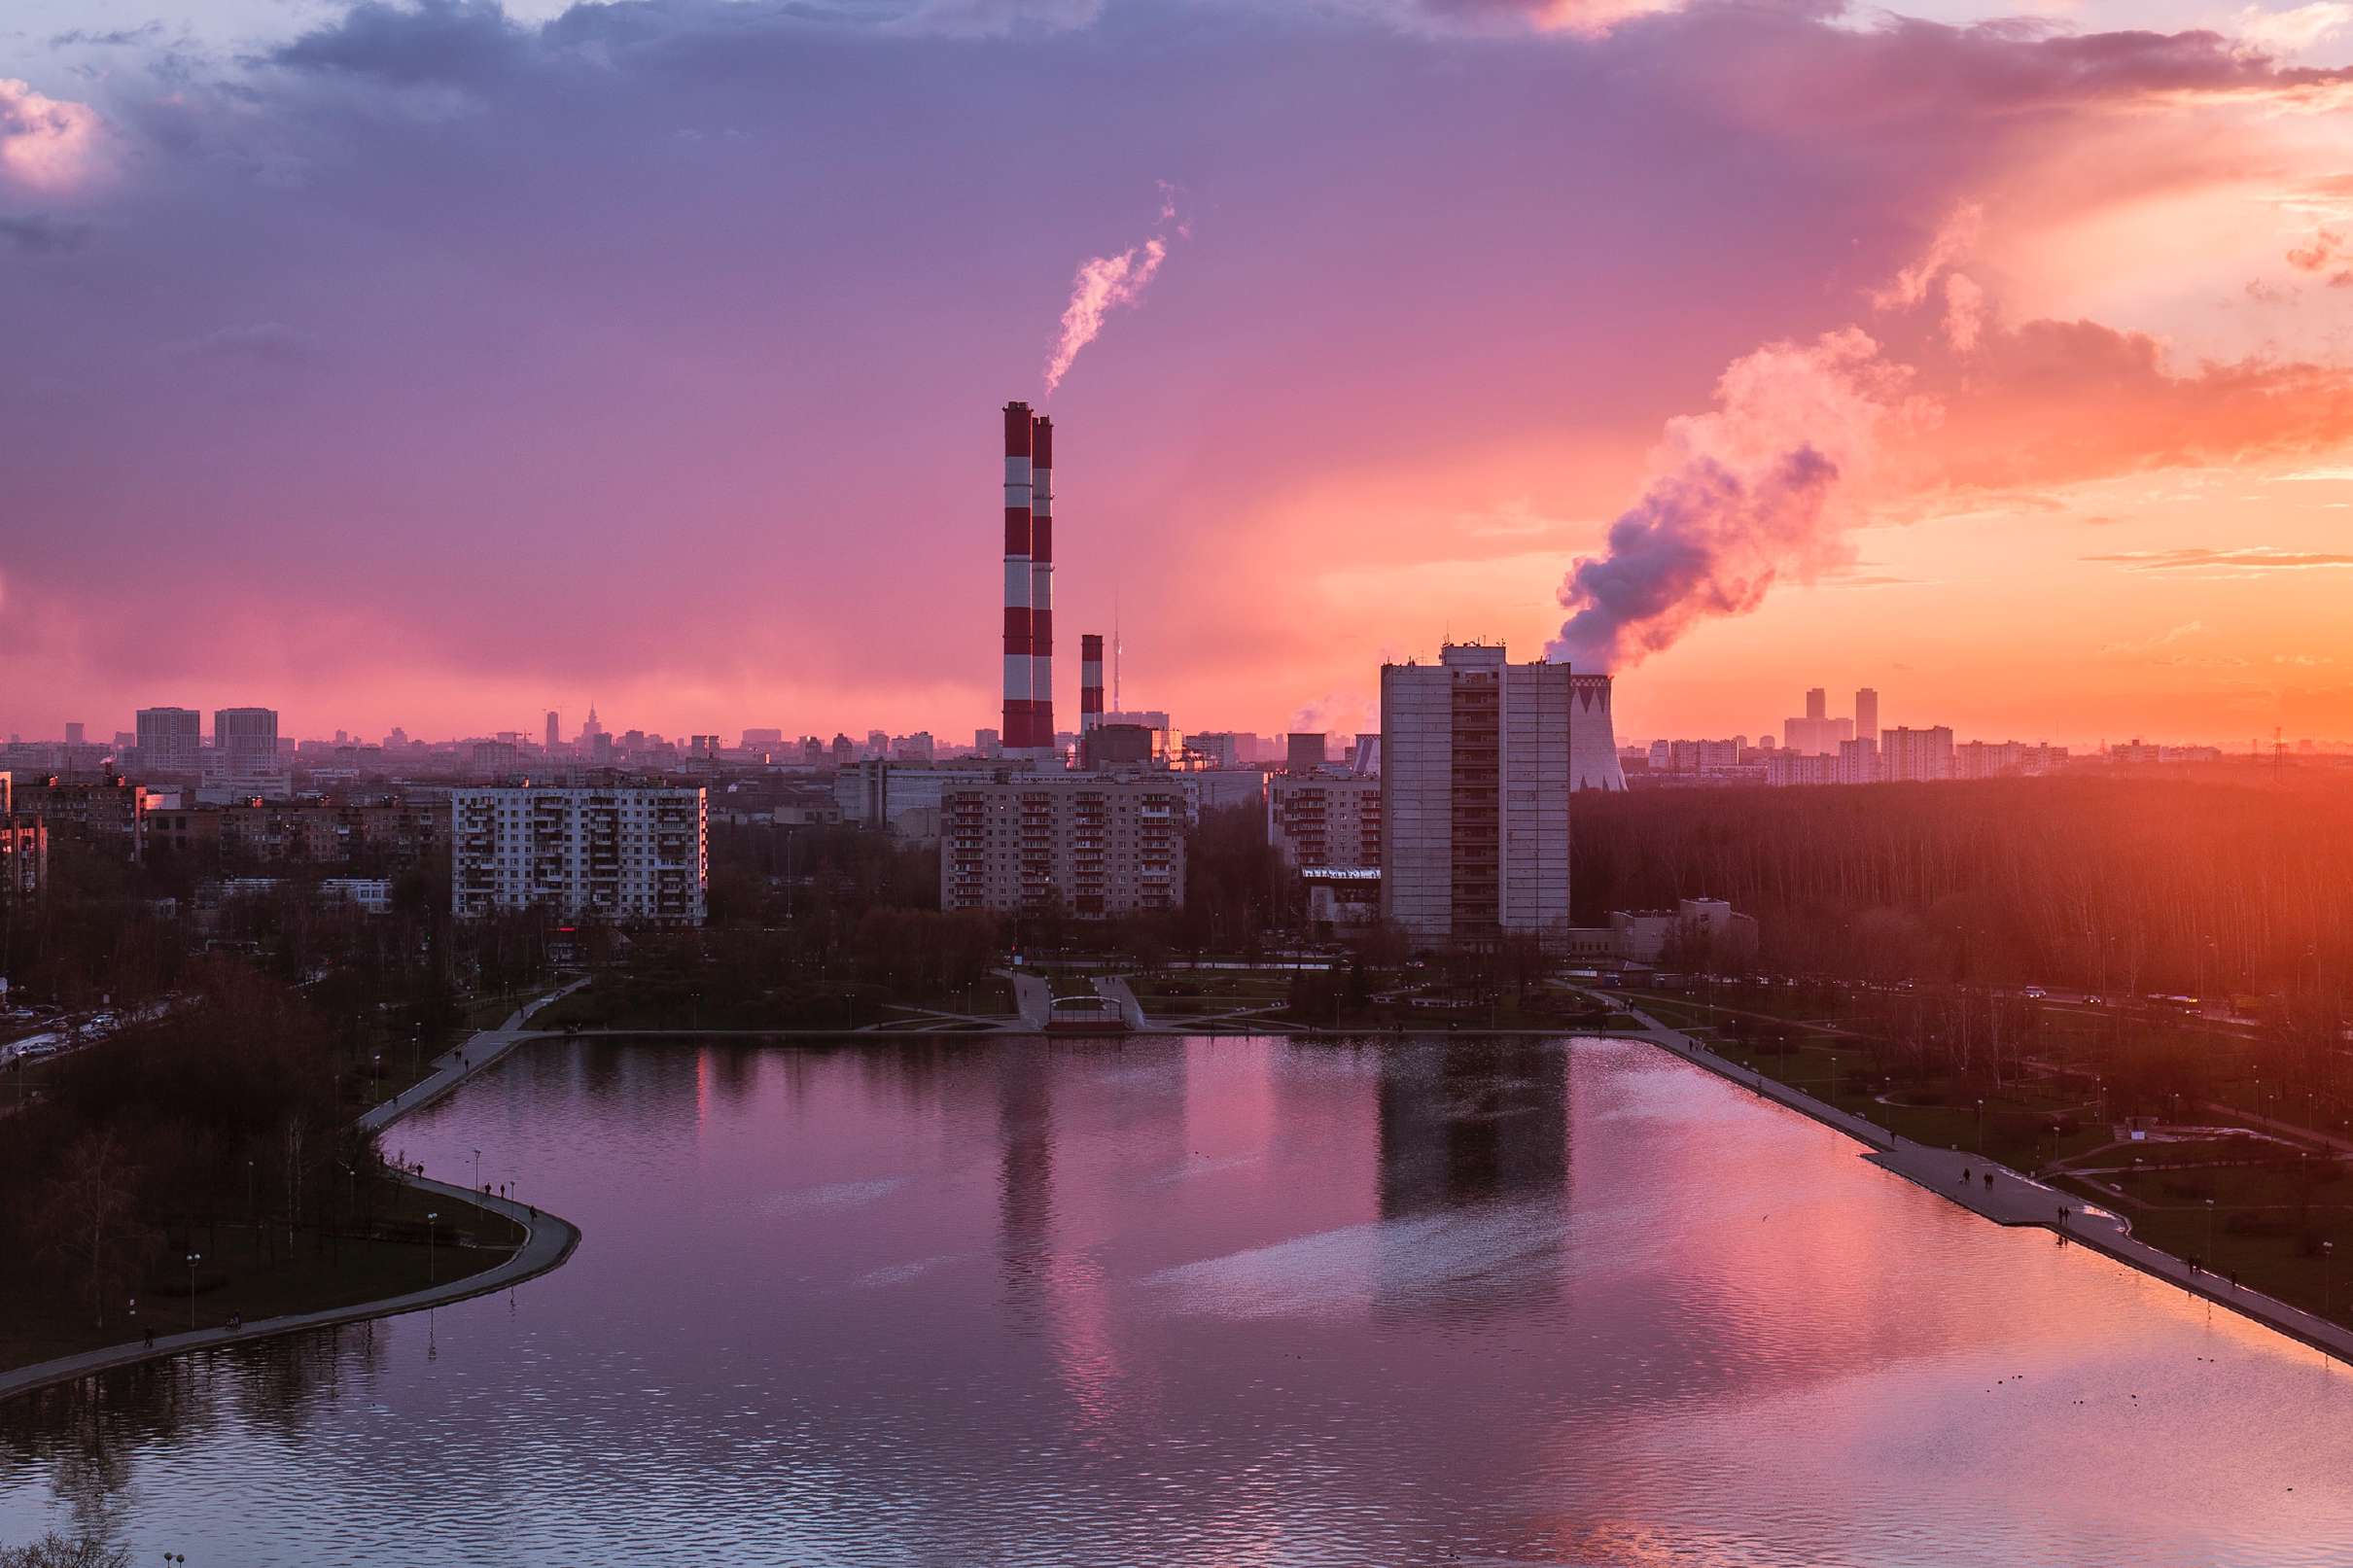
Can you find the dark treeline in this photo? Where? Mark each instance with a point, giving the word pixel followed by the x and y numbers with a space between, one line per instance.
pixel 821 927
pixel 2113 884
pixel 232 1107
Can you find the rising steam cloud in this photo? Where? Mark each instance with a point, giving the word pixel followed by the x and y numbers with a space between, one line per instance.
pixel 1106 283
pixel 1741 497
pixel 1758 489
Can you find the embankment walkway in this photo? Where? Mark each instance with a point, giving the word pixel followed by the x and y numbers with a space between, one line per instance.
pixel 2010 1198
pixel 548 1239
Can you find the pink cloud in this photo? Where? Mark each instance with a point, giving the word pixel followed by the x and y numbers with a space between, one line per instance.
pixel 49 145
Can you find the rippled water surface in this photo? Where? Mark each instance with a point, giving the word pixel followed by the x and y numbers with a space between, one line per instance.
pixel 1213 1301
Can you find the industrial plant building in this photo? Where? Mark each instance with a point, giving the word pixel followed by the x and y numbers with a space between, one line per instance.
pixel 1593 739
pixel 1475 789
pixel 1095 845
pixel 620 853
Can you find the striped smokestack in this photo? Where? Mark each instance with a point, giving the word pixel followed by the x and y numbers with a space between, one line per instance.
pixel 1090 681
pixel 1017 577
pixel 1041 581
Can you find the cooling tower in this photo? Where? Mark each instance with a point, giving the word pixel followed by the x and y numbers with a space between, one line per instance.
pixel 1592 741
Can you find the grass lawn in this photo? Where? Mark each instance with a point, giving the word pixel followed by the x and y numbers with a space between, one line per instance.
pixel 251 1271
pixel 2259 1226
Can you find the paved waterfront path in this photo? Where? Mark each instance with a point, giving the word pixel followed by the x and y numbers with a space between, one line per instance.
pixel 2011 1198
pixel 455 1066
pixel 548 1240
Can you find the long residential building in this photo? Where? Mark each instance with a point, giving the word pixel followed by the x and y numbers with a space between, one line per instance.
pixel 1475 784
pixel 621 853
pixel 1098 846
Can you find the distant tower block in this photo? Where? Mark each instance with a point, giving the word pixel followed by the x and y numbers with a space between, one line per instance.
pixel 1017 728
pixel 1866 714
pixel 1593 738
pixel 1090 681
pixel 1041 581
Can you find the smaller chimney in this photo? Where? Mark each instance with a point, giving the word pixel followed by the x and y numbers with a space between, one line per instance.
pixel 1090 681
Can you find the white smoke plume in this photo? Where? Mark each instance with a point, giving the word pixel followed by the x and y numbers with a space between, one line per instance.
pixel 1760 487
pixel 1105 283
pixel 1739 498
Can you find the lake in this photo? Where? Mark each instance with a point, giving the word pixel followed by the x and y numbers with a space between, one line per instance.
pixel 1212 1300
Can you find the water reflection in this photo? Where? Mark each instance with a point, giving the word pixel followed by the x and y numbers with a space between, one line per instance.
pixel 1181 1301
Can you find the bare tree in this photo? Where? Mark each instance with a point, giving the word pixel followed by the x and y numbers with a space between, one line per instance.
pixel 55 1551
pixel 89 1218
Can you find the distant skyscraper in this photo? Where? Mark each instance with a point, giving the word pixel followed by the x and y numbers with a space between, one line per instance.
pixel 1474 794
pixel 73 734
pixel 1866 714
pixel 171 739
pixel 1817 703
pixel 555 733
pixel 590 730
pixel 245 741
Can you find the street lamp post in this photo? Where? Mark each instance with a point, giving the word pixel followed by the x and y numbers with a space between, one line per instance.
pixel 1981 1128
pixel 2328 1277
pixel 2209 1233
pixel 477 1167
pixel 429 1231
pixel 193 1259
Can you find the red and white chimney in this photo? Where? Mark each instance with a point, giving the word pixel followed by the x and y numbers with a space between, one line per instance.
pixel 1017 722
pixel 1090 681
pixel 1042 582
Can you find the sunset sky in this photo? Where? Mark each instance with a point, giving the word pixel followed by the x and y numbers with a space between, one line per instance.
pixel 435 363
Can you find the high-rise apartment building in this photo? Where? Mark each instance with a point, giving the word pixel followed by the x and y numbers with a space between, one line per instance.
pixel 553 745
pixel 1867 714
pixel 1098 845
pixel 624 853
pixel 1474 794
pixel 1916 755
pixel 245 742
pixel 1324 820
pixel 1817 703
pixel 171 739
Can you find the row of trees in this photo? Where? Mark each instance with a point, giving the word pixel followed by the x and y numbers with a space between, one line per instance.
pixel 2114 885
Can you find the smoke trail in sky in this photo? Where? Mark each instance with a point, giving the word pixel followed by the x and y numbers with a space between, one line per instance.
pixel 1105 283
pixel 1739 498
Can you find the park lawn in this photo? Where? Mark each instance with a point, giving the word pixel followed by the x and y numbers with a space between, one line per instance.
pixel 249 1270
pixel 2286 1262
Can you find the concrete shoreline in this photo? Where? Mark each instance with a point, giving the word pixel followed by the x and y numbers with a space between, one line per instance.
pixel 549 1239
pixel 2011 1198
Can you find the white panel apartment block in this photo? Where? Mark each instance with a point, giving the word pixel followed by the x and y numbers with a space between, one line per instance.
pixel 624 853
